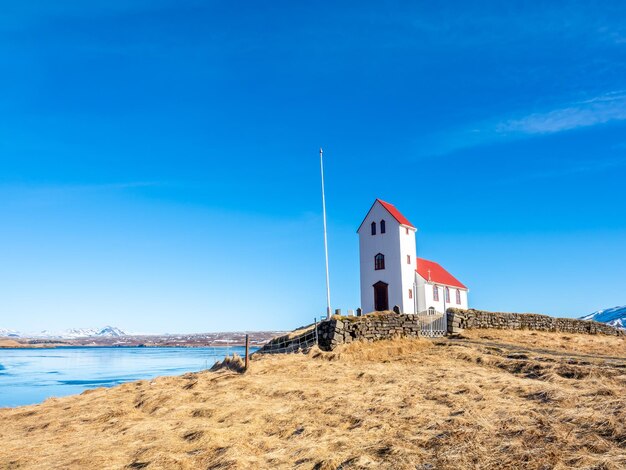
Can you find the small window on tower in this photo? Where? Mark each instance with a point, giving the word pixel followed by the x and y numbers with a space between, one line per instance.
pixel 436 293
pixel 382 226
pixel 458 297
pixel 379 261
pixel 373 228
pixel 410 293
pixel 408 259
pixel 407 230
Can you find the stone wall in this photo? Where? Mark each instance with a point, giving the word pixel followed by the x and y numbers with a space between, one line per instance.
pixel 458 320
pixel 387 325
pixel 370 327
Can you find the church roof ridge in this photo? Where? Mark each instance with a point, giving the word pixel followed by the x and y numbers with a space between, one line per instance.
pixel 395 213
pixel 434 272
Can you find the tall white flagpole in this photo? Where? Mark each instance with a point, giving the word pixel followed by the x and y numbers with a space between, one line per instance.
pixel 328 310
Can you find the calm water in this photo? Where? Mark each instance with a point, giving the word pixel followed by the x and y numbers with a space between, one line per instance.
pixel 30 376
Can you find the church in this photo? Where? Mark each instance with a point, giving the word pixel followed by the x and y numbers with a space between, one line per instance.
pixel 392 274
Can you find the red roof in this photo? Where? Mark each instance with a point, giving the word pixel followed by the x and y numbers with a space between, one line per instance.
pixel 433 272
pixel 395 213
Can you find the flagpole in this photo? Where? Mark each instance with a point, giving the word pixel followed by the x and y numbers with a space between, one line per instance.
pixel 328 310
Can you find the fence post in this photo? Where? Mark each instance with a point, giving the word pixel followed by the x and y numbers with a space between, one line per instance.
pixel 247 351
pixel 316 340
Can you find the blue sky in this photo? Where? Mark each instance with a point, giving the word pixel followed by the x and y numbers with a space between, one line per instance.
pixel 159 159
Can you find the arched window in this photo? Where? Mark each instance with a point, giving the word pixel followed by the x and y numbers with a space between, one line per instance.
pixel 458 297
pixel 447 295
pixel 373 228
pixel 379 261
pixel 431 310
pixel 435 293
pixel 382 226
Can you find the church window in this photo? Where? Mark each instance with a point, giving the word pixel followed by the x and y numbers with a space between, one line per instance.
pixel 382 226
pixel 373 228
pixel 379 261
pixel 447 295
pixel 408 259
pixel 431 310
pixel 410 293
pixel 407 230
pixel 458 297
pixel 436 293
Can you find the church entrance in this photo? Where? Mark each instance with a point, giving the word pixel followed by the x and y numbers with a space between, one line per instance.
pixel 381 296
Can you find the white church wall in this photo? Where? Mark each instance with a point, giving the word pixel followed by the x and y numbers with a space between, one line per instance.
pixel 464 301
pixel 389 245
pixel 407 248
pixel 422 299
pixel 427 294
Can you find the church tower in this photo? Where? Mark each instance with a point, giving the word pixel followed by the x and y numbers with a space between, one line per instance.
pixel 388 260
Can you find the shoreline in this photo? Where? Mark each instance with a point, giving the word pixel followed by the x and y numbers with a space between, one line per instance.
pixel 198 340
pixel 123 346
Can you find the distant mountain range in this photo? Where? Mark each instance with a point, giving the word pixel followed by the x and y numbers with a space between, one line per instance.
pixel 5 332
pixel 105 332
pixel 615 316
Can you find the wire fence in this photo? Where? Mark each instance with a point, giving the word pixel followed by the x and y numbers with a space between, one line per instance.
pixel 293 343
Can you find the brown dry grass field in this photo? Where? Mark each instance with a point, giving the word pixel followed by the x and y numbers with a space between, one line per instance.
pixel 22 343
pixel 489 400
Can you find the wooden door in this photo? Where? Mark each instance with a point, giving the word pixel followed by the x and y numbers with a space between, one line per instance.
pixel 381 296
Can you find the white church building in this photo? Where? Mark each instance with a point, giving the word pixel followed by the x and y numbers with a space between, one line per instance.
pixel 393 275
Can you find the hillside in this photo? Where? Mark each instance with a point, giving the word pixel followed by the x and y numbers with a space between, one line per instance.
pixel 9 343
pixel 493 399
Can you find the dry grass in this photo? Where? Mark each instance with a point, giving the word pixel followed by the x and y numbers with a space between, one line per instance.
pixel 24 343
pixel 565 342
pixel 300 331
pixel 392 404
pixel 234 363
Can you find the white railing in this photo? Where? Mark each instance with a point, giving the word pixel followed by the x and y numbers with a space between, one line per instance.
pixel 433 325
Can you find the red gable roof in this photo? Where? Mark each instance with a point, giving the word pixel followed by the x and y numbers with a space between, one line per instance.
pixel 432 271
pixel 395 213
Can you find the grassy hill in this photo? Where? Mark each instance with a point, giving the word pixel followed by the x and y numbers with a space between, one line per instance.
pixel 493 399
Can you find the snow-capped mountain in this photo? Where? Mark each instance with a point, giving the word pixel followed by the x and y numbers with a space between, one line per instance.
pixel 111 331
pixel 6 332
pixel 615 316
pixel 107 331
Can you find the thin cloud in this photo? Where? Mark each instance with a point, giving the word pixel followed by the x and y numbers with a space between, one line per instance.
pixel 599 110
pixel 603 109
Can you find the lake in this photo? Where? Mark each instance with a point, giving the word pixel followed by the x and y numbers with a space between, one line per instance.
pixel 30 376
